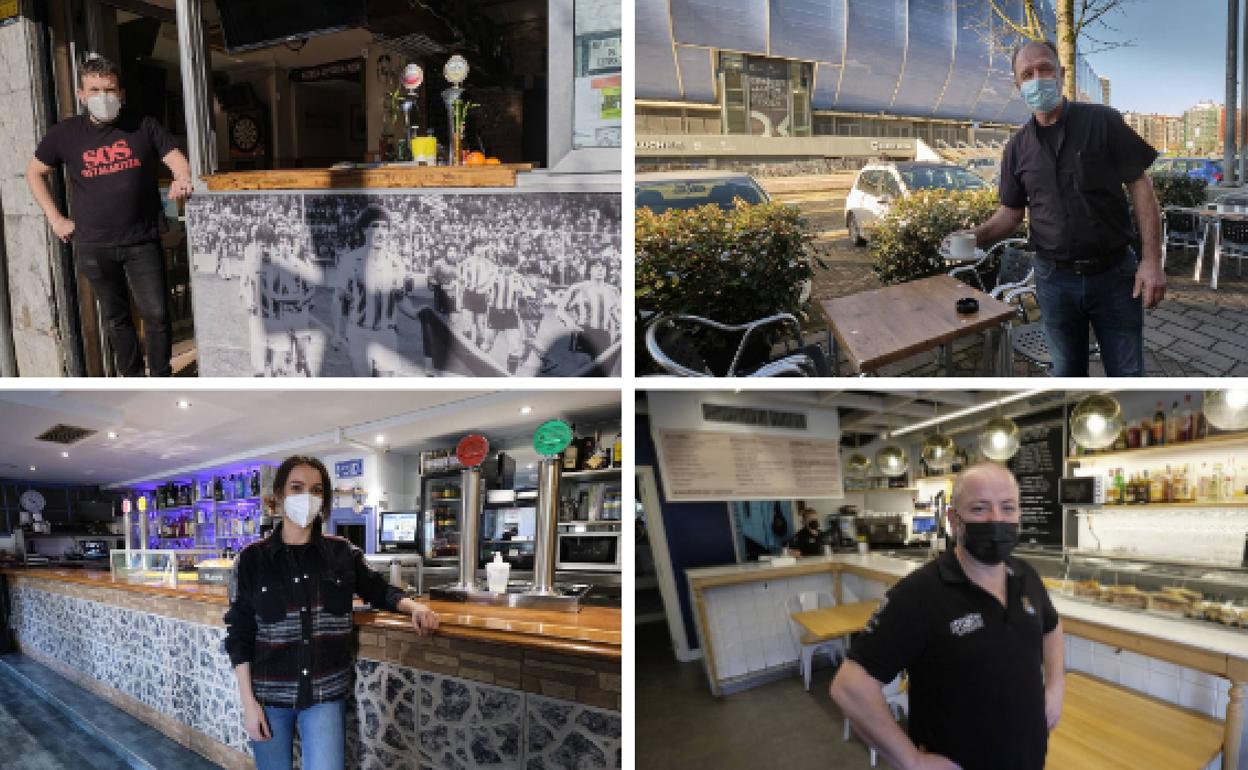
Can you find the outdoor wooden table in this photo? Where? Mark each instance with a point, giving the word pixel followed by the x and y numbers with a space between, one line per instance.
pixel 1106 727
pixel 828 623
pixel 881 326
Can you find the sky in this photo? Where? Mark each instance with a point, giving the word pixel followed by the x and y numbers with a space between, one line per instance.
pixel 1179 56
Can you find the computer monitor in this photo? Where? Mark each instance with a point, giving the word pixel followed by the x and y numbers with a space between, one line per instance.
pixel 399 528
pixel 923 525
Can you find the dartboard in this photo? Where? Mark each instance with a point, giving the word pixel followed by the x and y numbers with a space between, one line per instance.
pixel 245 133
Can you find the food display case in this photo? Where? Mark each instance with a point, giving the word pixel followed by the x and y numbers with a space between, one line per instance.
pixel 158 567
pixel 1201 592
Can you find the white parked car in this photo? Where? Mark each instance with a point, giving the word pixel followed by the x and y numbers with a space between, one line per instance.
pixel 879 184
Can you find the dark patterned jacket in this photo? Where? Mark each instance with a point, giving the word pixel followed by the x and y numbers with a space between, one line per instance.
pixel 290 616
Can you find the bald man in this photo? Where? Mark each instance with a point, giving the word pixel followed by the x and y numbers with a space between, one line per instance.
pixel 979 639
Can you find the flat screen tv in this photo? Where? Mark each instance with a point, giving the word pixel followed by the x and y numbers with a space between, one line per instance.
pixel 247 24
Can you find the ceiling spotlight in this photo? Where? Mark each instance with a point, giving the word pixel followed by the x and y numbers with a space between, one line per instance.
pixel 64 454
pixel 112 434
pixel 379 439
pixel 183 403
pixel 526 410
pixel 33 468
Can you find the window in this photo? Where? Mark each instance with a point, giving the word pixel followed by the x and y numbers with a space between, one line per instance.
pixel 585 108
pixel 764 96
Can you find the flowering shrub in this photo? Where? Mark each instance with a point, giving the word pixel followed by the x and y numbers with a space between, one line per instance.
pixel 905 244
pixel 731 266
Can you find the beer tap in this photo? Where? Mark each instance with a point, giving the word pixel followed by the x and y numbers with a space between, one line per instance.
pixel 456 72
pixel 413 76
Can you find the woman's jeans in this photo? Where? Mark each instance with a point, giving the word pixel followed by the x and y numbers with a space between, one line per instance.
pixel 321 735
pixel 1069 302
pixel 116 272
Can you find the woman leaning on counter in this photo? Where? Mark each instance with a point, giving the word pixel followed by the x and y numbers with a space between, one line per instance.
pixel 288 629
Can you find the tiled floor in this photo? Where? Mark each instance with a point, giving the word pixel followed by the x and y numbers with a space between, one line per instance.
pixel 48 722
pixel 682 727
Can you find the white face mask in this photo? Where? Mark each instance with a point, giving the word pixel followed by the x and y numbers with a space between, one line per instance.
pixel 301 509
pixel 104 107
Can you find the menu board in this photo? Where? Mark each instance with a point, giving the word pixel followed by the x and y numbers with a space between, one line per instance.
pixel 1038 469
pixel 597 119
pixel 710 465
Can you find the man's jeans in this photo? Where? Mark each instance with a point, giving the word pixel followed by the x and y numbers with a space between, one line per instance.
pixel 322 737
pixel 1069 302
pixel 142 267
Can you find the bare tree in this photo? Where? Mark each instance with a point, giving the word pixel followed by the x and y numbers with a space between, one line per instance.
pixel 1077 21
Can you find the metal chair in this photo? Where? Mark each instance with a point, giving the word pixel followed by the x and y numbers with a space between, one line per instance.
pixel 898 701
pixel 1185 229
pixel 1027 338
pixel 1230 238
pixel 833 648
pixel 675 350
pixel 1014 267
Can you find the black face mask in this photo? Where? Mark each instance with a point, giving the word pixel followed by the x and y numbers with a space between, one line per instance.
pixel 989 541
pixel 813 526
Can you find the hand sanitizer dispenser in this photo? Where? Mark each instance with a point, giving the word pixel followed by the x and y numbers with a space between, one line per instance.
pixel 496 574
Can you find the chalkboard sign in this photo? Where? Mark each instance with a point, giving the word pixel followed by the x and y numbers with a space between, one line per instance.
pixel 1038 468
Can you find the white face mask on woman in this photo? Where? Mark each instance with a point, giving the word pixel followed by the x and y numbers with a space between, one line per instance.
pixel 104 107
pixel 302 508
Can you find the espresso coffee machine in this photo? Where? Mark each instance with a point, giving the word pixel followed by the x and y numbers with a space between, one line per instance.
pixel 844 528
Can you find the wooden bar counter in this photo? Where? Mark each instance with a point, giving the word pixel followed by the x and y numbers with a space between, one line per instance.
pixel 742 624
pixel 544 683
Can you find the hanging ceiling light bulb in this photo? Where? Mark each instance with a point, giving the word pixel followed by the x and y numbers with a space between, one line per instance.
pixel 857 465
pixel 938 449
pixel 998 439
pixel 1096 422
pixel 892 460
pixel 1226 409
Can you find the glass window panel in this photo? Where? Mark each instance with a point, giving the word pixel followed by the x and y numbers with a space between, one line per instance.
pixel 657 79
pixel 876 38
pixel 928 56
pixel 596 101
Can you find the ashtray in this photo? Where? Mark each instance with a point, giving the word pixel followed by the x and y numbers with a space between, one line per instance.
pixel 967 305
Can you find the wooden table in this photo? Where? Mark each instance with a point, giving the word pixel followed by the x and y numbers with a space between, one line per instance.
pixel 881 326
pixel 1106 727
pixel 828 623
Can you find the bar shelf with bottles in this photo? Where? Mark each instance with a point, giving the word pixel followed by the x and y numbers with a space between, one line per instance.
pixel 221 509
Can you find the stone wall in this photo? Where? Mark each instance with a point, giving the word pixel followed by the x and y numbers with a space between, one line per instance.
pixel 28 241
pixel 456 704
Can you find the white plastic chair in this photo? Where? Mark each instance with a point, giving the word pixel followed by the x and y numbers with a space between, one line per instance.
pixel 898 701
pixel 834 648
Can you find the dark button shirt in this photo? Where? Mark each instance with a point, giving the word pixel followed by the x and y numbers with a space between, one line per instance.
pixel 976 676
pixel 808 541
pixel 1078 208
pixel 290 616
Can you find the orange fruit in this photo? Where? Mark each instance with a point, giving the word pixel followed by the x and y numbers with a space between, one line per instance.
pixel 492 161
pixel 474 158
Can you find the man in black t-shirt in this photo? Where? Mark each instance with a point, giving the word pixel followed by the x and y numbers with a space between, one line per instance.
pixel 111 156
pixel 1066 169
pixel 808 540
pixel 980 640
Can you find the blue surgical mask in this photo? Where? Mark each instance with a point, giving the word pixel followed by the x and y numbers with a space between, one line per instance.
pixel 1042 94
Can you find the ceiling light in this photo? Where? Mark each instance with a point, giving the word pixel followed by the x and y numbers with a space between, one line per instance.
pixel 999 439
pixel 112 434
pixel 379 439
pixel 183 403
pixel 1096 422
pixel 969 410
pixel 892 461
pixel 64 454
pixel 526 410
pixel 33 468
pixel 1226 409
pixel 857 466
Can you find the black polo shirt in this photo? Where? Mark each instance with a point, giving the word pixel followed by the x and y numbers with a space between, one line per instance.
pixel 808 542
pixel 1078 208
pixel 976 678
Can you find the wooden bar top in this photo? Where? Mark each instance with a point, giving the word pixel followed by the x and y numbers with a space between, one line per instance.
pixel 881 326
pixel 385 176
pixel 593 632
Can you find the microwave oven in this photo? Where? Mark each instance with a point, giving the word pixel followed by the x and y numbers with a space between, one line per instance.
pixel 589 551
pixel 1082 490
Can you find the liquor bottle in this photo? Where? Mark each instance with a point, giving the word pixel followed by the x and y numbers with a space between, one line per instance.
pixel 1146 433
pixel 571 454
pixel 1159 424
pixel 1111 488
pixel 617 451
pixel 1146 489
pixel 1187 420
pixel 217 493
pixel 240 486
pixel 1173 424
pixel 1157 489
pixel 597 455
pixel 1121 482
pixel 255 483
